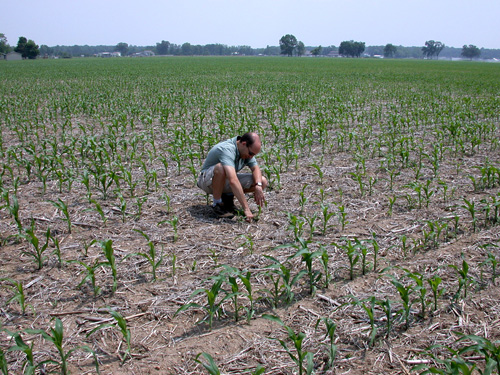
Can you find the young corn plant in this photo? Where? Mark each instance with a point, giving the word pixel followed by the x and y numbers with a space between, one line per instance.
pixel 327 215
pixel 492 261
pixel 325 259
pixel 330 334
pixel 471 207
pixel 420 288
pixel 434 283
pixel 121 323
pixel 19 296
pixel 455 364
pixel 90 274
pixel 351 250
pixel 308 257
pixel 209 365
pixel 404 293
pixel 282 280
pixel 38 249
pixel 369 306
pixel 464 279
pixel 56 336
pixel 300 356
pixel 109 253
pixel 63 207
pixel 29 366
pixel 151 256
pixel 213 306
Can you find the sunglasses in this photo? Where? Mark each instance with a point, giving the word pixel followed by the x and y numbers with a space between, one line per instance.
pixel 250 152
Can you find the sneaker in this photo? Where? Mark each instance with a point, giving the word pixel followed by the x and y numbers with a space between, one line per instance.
pixel 228 201
pixel 221 211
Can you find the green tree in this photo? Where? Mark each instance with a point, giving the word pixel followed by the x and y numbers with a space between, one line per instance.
pixel 390 50
pixel 27 48
pixel 288 43
pixel 470 51
pixel 163 47
pixel 316 51
pixel 187 49
pixel 122 48
pixel 4 46
pixel 351 48
pixel 432 48
pixel 301 49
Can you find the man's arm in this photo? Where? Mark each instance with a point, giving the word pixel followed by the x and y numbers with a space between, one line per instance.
pixel 237 189
pixel 258 190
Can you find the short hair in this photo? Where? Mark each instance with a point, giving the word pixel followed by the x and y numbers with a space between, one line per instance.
pixel 248 138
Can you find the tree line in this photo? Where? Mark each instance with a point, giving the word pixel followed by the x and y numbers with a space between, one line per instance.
pixel 289 45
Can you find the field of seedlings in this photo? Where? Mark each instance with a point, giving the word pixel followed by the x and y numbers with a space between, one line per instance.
pixel 376 252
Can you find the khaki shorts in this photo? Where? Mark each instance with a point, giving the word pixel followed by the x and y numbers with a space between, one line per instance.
pixel 205 181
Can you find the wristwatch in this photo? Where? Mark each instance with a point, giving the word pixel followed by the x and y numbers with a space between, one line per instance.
pixel 259 184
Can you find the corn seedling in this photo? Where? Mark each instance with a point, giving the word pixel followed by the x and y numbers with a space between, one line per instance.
pixel 326 269
pixel 386 306
pixel 209 365
pixel 29 366
pixel 18 296
pixel 38 249
pixel 56 336
pixel 364 253
pixel 296 224
pixel 213 306
pixel 280 272
pixel 392 201
pixel 436 291
pixel 330 334
pixel 420 289
pixel 302 198
pixel 3 363
pixel 368 306
pixel 454 365
pixel 107 247
pixel 151 256
pixel 327 215
pixel 404 293
pixel 471 207
pixel 297 340
pixel 90 274
pixel 464 280
pixel 492 261
pixel 100 211
pixel 63 207
pixel 342 216
pixel 320 172
pixel 352 253
pixel 121 322
pixel 174 222
pixel 490 350
pixel 308 257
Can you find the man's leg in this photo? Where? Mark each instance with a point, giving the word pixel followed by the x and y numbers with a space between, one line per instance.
pixel 218 181
pixel 222 206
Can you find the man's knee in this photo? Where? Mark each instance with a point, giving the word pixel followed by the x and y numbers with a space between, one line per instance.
pixel 264 183
pixel 219 171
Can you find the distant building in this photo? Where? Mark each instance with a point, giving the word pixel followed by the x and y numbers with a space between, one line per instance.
pixel 109 54
pixel 144 54
pixel 12 56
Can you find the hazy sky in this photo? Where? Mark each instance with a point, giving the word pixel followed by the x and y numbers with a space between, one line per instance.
pixel 256 23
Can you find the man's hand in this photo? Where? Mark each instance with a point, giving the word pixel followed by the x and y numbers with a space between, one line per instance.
pixel 248 215
pixel 259 196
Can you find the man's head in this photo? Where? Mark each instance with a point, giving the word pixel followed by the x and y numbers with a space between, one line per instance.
pixel 248 145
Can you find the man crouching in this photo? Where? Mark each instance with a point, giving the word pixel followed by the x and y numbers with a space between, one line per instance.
pixel 219 175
